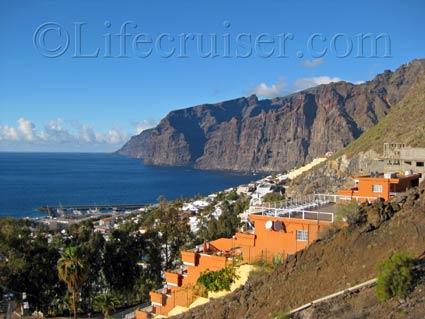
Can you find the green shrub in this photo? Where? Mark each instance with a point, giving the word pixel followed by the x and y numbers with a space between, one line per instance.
pixel 232 195
pixel 218 280
pixel 273 197
pixel 395 276
pixel 278 259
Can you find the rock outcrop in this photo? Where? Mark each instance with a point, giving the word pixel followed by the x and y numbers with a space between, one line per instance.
pixel 272 135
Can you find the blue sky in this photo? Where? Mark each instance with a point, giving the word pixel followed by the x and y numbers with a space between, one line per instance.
pixel 73 102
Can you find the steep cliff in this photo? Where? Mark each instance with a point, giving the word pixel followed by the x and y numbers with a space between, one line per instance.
pixel 273 135
pixel 405 124
pixel 136 146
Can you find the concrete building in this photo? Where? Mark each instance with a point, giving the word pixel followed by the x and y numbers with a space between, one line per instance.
pixel 398 157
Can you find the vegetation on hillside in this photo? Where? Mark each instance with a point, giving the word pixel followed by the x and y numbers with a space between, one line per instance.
pixel 73 271
pixel 70 271
pixel 80 271
pixel 395 276
pixel 218 280
pixel 404 124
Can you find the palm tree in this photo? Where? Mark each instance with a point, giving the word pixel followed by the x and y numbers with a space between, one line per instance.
pixel 106 303
pixel 72 271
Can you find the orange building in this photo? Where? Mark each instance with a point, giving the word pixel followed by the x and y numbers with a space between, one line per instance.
pixel 382 185
pixel 277 230
pixel 272 235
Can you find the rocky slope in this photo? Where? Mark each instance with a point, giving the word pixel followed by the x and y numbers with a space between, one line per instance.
pixel 338 261
pixel 364 305
pixel 405 123
pixel 273 135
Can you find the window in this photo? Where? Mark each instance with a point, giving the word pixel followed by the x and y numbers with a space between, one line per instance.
pixel 419 164
pixel 377 188
pixel 302 235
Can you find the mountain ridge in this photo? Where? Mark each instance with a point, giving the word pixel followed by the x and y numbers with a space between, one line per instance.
pixel 246 133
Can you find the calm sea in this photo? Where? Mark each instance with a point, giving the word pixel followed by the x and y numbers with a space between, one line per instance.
pixel 31 180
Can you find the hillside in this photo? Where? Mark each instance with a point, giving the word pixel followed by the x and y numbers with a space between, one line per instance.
pixel 340 260
pixel 273 135
pixel 404 123
pixel 363 304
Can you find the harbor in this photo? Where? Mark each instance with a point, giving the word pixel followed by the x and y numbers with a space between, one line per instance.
pixel 84 210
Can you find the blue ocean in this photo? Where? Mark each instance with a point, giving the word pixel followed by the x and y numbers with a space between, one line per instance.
pixel 31 180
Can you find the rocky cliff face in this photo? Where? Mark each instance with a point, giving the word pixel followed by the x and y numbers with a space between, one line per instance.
pixel 404 124
pixel 272 135
pixel 137 145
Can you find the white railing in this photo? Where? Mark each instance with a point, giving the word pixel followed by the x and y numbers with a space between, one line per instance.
pixel 334 198
pixel 306 206
pixel 294 213
pixel 305 215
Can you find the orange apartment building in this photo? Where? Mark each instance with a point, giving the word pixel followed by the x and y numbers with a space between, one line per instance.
pixel 283 232
pixel 382 185
pixel 272 235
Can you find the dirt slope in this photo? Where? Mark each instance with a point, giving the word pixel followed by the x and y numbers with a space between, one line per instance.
pixel 363 305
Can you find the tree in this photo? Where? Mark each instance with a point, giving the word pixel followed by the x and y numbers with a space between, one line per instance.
pixel 93 250
pixel 106 303
pixel 28 264
pixel 242 204
pixel 122 253
pixel 72 271
pixel 203 219
pixel 229 221
pixel 172 229
pixel 395 276
pixel 232 195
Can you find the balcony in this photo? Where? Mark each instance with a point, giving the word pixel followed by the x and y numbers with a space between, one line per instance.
pixel 189 258
pixel 173 278
pixel 157 298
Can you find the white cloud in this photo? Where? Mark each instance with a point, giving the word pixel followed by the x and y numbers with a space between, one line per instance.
pixel 313 63
pixel 305 83
pixel 58 134
pixel 280 88
pixel 87 134
pixel 8 133
pixel 54 131
pixel 144 125
pixel 26 129
pixel 116 136
pixel 271 91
